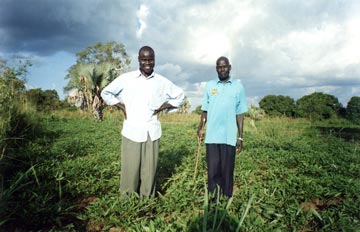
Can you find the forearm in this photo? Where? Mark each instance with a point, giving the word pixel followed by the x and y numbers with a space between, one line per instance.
pixel 120 106
pixel 240 124
pixel 203 119
pixel 200 132
pixel 164 106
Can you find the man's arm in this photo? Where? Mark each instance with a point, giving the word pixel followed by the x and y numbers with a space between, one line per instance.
pixel 111 94
pixel 174 97
pixel 240 126
pixel 200 132
pixel 121 106
pixel 164 106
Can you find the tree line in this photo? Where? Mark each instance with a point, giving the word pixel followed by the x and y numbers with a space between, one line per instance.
pixel 315 106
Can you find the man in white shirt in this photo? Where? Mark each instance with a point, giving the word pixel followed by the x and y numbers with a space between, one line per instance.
pixel 141 95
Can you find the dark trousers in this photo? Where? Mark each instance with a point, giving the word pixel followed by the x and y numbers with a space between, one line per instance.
pixel 220 160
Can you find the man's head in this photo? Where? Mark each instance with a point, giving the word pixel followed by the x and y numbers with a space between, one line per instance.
pixel 146 60
pixel 223 68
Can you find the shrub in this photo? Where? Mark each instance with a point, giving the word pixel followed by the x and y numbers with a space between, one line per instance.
pixel 353 110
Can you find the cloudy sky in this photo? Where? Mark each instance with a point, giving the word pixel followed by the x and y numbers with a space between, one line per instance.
pixel 280 47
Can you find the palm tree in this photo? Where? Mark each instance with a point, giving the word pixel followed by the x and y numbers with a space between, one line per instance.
pixel 103 74
pixel 183 109
pixel 95 67
pixel 78 75
pixel 89 79
pixel 255 114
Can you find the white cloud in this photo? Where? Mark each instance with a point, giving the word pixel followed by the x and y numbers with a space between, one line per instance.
pixel 142 14
pixel 215 28
pixel 350 53
pixel 209 46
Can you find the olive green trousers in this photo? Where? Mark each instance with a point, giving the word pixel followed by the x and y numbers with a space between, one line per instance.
pixel 138 166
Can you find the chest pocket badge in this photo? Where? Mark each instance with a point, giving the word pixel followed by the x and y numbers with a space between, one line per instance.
pixel 214 91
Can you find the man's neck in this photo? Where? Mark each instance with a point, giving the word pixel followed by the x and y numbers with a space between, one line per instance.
pixel 146 74
pixel 224 80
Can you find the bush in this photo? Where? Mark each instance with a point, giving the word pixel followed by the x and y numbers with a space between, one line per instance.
pixel 353 110
pixel 18 125
pixel 278 105
pixel 318 106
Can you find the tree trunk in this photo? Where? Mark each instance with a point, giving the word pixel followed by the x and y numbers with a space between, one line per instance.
pixel 97 108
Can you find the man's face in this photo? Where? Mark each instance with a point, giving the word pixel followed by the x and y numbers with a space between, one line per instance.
pixel 223 69
pixel 146 62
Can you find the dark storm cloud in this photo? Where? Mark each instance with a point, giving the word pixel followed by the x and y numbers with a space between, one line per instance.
pixel 44 27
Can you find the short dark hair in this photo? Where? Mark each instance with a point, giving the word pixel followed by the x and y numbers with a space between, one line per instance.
pixel 223 58
pixel 146 48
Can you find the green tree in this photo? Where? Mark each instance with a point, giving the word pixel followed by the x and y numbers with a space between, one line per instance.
pixel 44 100
pixel 96 67
pixel 197 110
pixel 12 88
pixel 318 106
pixel 51 100
pixel 353 110
pixel 110 52
pixel 278 105
pixel 14 77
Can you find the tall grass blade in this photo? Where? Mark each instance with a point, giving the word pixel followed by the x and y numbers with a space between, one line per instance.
pixel 34 174
pixel 245 213
pixel 224 213
pixel 217 204
pixel 316 213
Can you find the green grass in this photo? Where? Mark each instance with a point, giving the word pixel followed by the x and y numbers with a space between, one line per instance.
pixel 291 176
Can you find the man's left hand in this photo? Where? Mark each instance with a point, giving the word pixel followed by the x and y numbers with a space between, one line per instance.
pixel 163 107
pixel 238 146
pixel 156 111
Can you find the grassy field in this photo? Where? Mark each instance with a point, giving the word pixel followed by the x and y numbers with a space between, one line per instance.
pixel 292 175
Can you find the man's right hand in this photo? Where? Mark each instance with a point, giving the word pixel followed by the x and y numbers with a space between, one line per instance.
pixel 200 132
pixel 200 135
pixel 121 106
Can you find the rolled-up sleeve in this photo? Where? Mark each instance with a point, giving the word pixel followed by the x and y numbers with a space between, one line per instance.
pixel 175 95
pixel 111 94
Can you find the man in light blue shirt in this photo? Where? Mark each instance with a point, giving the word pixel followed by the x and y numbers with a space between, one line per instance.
pixel 223 106
pixel 141 95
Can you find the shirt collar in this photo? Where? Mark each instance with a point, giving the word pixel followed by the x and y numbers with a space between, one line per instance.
pixel 228 81
pixel 141 75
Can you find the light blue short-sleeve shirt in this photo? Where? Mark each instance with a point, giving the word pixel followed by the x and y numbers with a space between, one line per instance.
pixel 222 102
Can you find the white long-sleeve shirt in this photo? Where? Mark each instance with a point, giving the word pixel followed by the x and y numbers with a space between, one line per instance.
pixel 142 96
